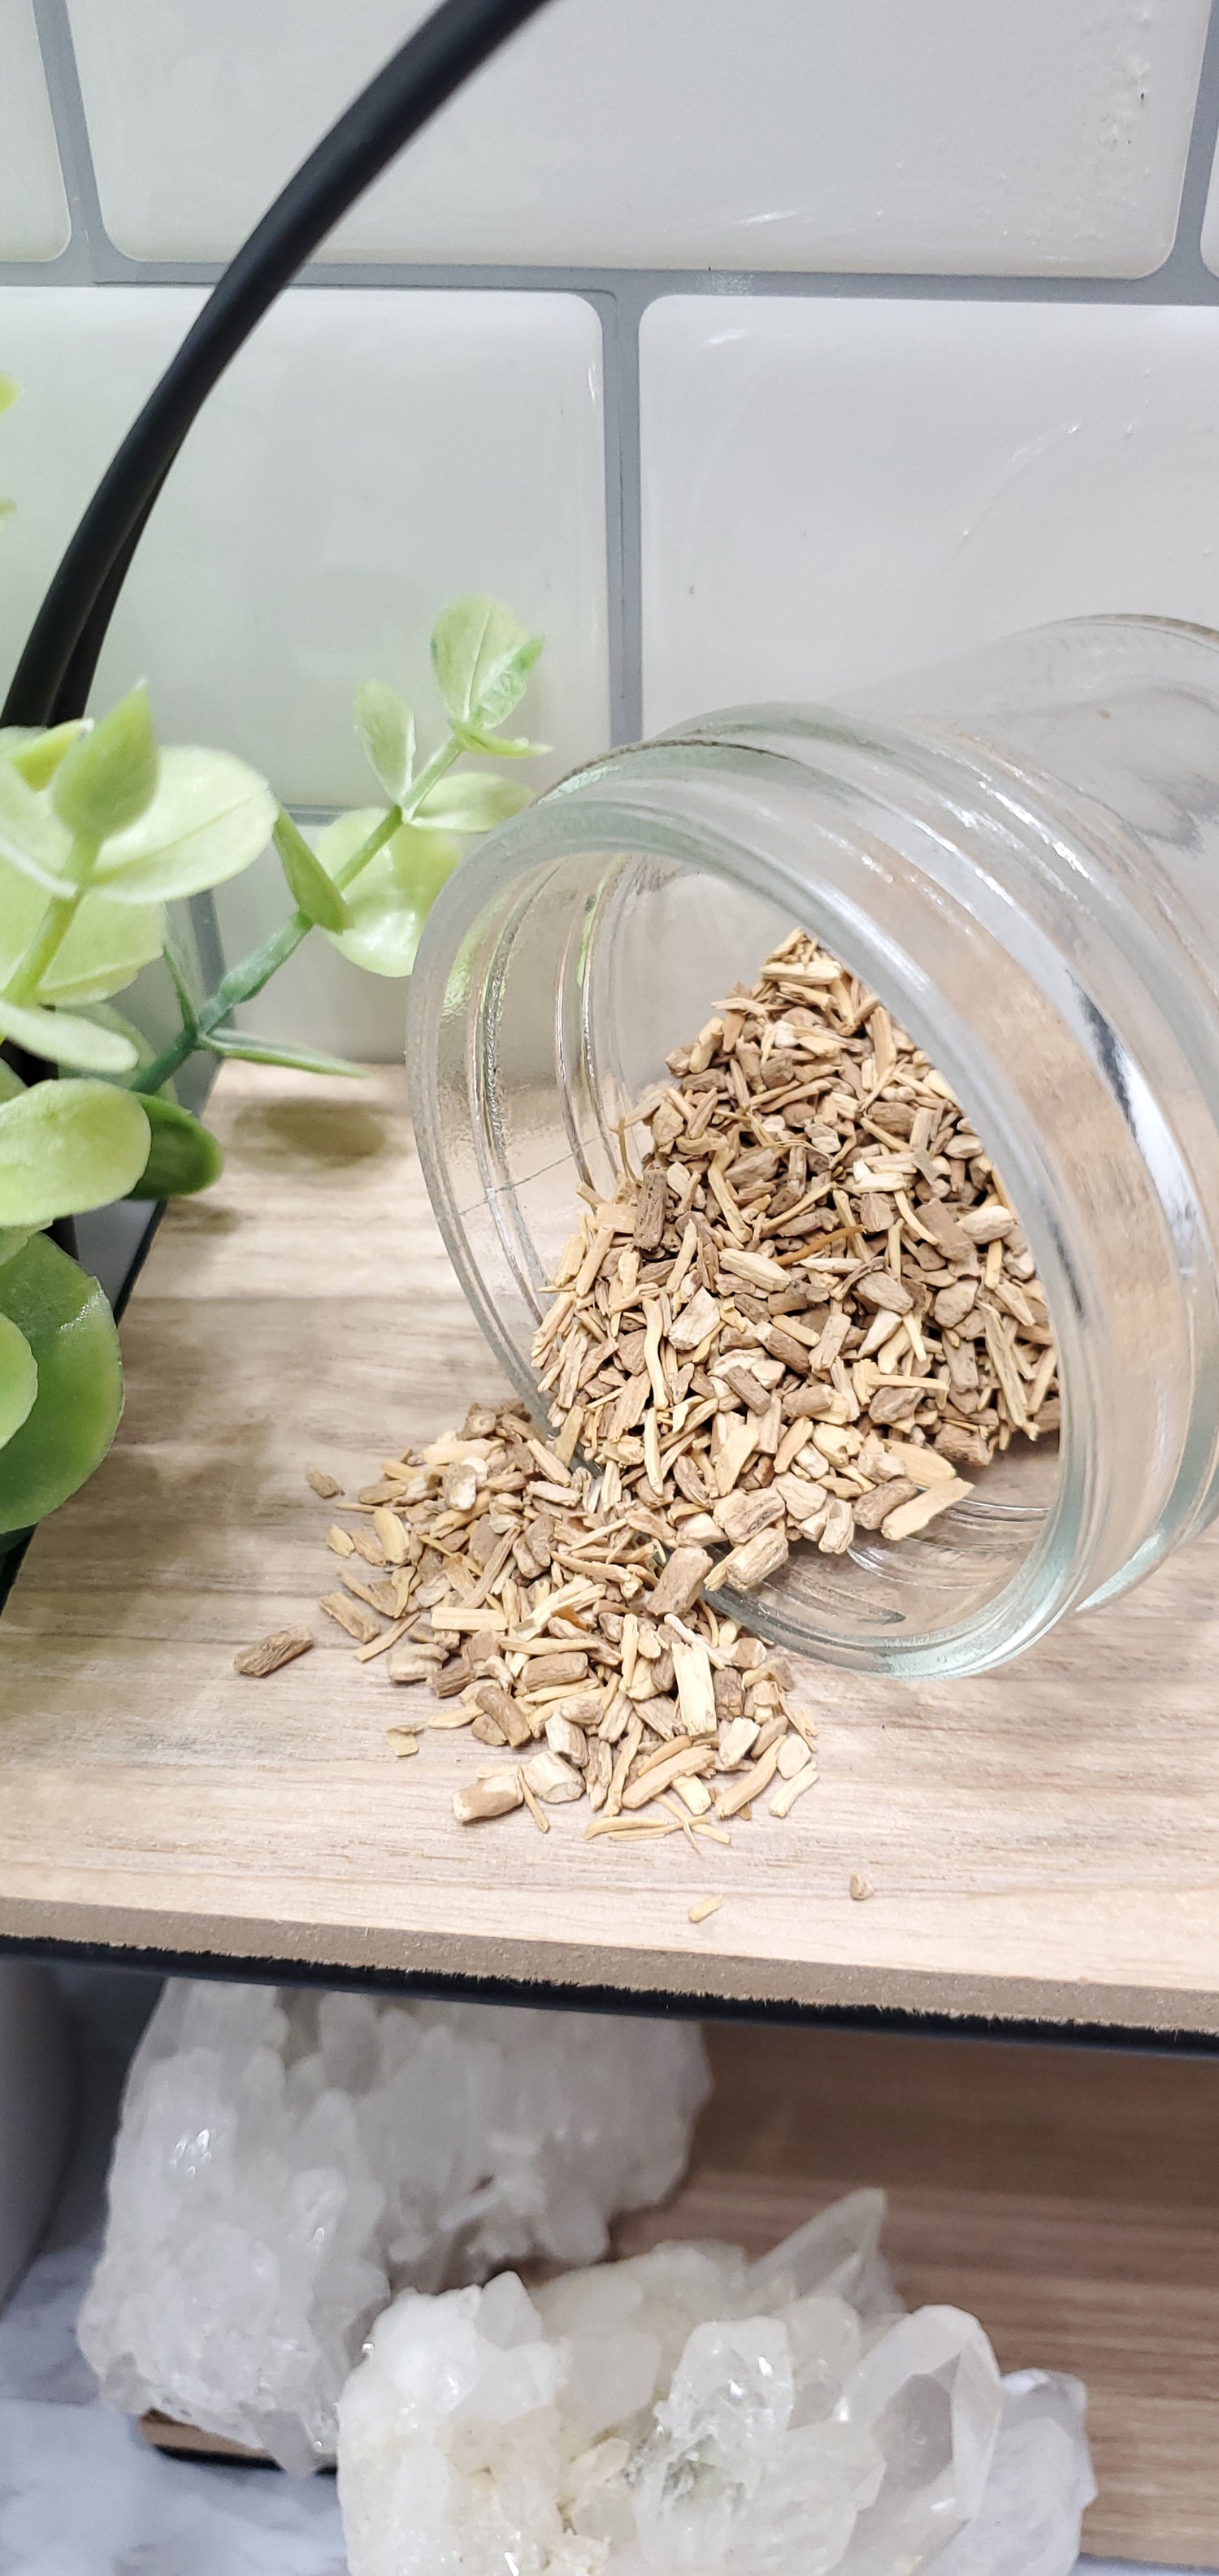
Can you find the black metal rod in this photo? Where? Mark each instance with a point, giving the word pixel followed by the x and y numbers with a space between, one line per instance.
pixel 55 672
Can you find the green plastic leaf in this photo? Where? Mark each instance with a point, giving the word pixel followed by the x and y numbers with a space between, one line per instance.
pixel 32 838
pixel 67 1146
pixel 248 1050
pixel 18 1379
pixel 36 753
pixel 183 1157
pixel 386 728
pixel 108 777
pixel 482 657
pixel 391 898
pixel 105 948
pixel 503 746
pixel 104 1016
pixel 308 884
pixel 12 1240
pixel 10 1082
pixel 70 1330
pixel 63 1039
pixel 211 816
pixel 106 944
pixel 472 802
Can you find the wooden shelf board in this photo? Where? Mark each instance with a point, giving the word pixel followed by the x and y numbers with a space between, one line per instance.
pixel 1042 1842
pixel 1068 2199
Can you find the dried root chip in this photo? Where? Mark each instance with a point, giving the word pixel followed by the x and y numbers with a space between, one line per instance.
pixel 281 1647
pixel 495 1795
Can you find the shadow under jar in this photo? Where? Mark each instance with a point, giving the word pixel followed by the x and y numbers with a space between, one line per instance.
pixel 1019 854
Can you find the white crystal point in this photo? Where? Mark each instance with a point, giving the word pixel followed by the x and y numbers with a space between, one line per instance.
pixel 835 2253
pixel 930 2396
pixel 480 2435
pixel 286 2162
pixel 1041 2482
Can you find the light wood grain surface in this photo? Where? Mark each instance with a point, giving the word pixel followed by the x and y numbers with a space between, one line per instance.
pixel 1041 1842
pixel 1065 2197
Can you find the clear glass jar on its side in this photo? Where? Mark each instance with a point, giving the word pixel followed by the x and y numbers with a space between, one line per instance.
pixel 1019 854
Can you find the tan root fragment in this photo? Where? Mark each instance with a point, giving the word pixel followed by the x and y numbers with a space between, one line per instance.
pixel 541 1820
pixel 494 1795
pixel 790 1789
pixel 750 1784
pixel 912 1516
pixel 281 1647
pixel 348 1614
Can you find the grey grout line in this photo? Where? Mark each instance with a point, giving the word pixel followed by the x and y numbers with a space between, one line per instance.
pixel 84 258
pixel 1185 265
pixel 623 512
pixel 1181 279
pixel 619 437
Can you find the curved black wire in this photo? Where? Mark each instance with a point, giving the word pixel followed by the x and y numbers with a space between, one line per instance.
pixel 55 672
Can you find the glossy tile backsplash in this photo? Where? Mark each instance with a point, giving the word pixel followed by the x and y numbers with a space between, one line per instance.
pixel 835 491
pixel 748 347
pixel 937 135
pixel 33 207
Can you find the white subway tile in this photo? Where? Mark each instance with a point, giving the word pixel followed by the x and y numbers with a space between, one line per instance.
pixel 33 208
pixel 922 135
pixel 835 490
pixel 369 456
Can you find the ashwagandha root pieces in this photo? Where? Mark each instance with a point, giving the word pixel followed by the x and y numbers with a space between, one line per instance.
pixel 809 1318
pixel 567 1637
pixel 813 1287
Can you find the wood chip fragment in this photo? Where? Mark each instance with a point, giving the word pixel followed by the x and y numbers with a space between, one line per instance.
pixel 748 1785
pixel 392 1535
pixel 411 1664
pixel 860 1887
pixel 910 1517
pixel 540 1818
pixel 359 1623
pixel 552 1779
pixel 495 1795
pixel 704 1906
pixel 680 1581
pixel 281 1647
pixel 325 1485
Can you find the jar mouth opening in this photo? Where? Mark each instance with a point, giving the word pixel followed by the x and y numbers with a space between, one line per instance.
pixel 536 942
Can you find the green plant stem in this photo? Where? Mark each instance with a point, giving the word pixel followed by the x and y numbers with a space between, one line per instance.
pixel 56 922
pixel 245 980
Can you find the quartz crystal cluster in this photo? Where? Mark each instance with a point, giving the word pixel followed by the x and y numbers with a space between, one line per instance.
pixel 690 2411
pixel 286 2162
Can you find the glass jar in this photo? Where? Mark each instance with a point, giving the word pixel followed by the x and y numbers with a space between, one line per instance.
pixel 1017 853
